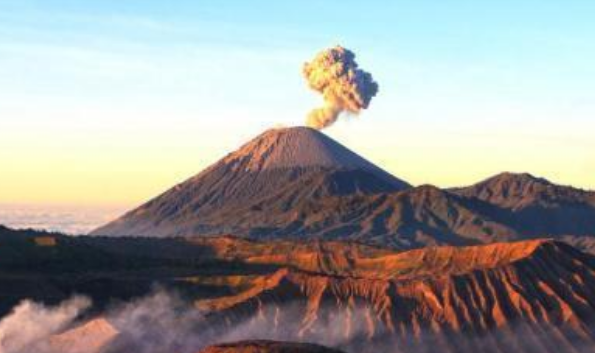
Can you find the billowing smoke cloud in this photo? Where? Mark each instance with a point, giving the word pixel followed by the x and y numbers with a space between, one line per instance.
pixel 344 86
pixel 30 323
pixel 160 322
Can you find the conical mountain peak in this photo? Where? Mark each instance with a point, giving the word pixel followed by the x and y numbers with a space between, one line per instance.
pixel 296 147
pixel 278 171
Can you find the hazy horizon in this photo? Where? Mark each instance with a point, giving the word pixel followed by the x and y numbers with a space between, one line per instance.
pixel 69 219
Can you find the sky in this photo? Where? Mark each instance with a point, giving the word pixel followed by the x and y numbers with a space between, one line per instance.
pixel 111 102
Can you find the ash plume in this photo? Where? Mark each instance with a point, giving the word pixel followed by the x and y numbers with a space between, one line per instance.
pixel 343 85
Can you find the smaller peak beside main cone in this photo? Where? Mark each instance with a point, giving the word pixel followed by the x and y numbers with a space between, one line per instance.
pixel 275 181
pixel 523 190
pixel 510 178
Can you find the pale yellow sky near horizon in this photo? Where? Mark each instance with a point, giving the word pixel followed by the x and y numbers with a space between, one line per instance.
pixel 123 168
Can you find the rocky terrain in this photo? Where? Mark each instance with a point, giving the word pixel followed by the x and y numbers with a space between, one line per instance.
pixel 521 297
pixel 528 296
pixel 267 347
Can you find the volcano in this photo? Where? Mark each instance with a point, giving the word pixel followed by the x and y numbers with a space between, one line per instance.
pixel 297 183
pixel 276 173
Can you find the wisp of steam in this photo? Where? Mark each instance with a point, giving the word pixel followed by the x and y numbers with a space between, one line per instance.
pixel 344 86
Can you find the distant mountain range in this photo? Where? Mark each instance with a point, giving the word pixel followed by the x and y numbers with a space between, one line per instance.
pixel 297 183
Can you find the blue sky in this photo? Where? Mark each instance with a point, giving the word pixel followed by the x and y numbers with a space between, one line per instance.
pixel 113 101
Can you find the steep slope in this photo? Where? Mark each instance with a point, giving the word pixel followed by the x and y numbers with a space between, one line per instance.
pixel 522 297
pixel 90 337
pixel 276 172
pixel 413 218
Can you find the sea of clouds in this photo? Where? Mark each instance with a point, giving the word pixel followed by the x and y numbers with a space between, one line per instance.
pixel 69 219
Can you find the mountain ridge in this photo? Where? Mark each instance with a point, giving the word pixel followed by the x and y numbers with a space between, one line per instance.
pixel 508 306
pixel 519 190
pixel 528 296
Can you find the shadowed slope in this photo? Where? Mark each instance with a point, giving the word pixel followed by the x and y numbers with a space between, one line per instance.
pixel 519 191
pixel 536 207
pixel 413 218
